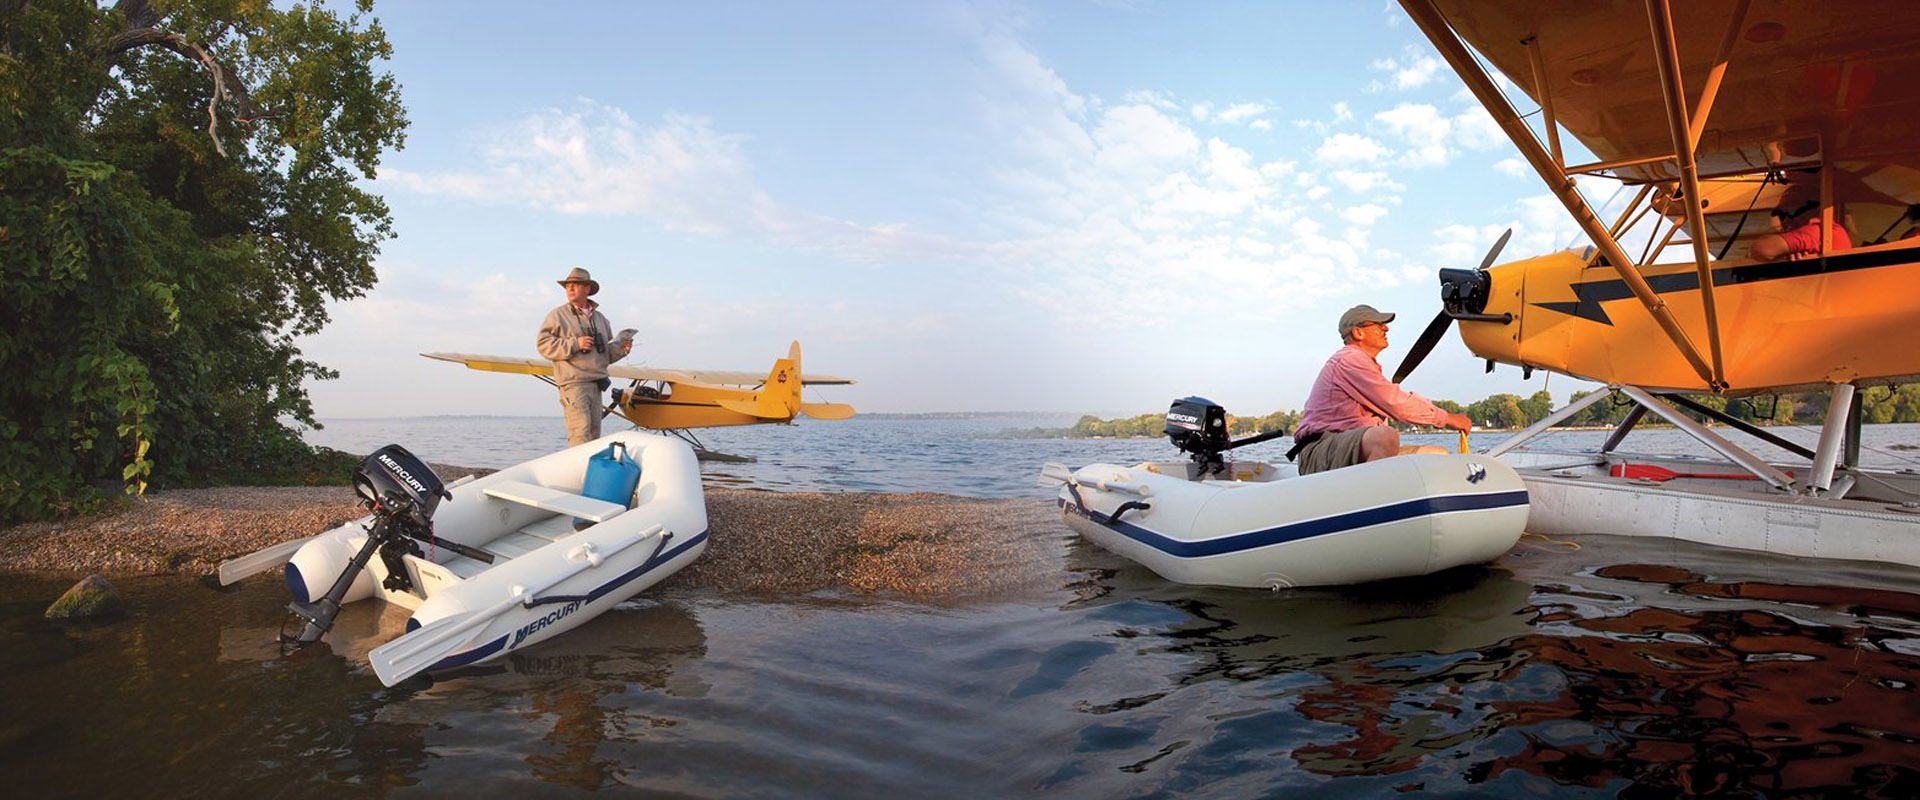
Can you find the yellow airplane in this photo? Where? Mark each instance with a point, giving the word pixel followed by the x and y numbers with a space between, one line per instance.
pixel 1799 102
pixel 674 400
pixel 1717 113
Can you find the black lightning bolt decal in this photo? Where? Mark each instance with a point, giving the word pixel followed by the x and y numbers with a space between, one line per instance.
pixel 1589 295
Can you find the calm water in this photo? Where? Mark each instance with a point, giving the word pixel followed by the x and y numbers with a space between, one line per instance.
pixel 1626 667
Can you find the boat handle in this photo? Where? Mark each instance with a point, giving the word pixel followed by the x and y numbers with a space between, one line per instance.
pixel 1125 507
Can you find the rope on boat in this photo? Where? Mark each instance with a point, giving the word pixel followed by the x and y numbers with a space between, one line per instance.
pixel 1543 537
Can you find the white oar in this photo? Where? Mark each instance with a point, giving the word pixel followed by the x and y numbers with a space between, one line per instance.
pixel 425 646
pixel 1054 474
pixel 259 561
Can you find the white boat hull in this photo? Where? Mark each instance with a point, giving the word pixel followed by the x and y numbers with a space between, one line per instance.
pixel 1580 497
pixel 532 547
pixel 1399 517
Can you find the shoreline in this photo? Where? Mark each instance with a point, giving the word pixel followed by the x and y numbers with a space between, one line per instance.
pixel 919 545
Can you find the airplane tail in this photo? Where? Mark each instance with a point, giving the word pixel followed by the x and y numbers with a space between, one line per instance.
pixel 779 396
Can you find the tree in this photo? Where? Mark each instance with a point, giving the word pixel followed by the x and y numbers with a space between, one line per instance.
pixel 1536 407
pixel 178 202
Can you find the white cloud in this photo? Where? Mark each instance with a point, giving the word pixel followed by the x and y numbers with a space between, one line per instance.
pixel 1349 148
pixel 680 172
pixel 1363 214
pixel 1512 166
pixel 1364 181
pixel 1431 138
pixel 1109 216
pixel 1412 70
pixel 1238 113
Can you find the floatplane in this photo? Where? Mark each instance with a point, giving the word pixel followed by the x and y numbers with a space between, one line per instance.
pixel 674 401
pixel 1716 113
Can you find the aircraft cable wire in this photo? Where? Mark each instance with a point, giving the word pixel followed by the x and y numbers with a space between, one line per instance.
pixel 1771 176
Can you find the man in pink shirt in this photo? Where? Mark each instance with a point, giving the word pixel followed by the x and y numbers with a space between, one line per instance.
pixel 1799 241
pixel 1345 421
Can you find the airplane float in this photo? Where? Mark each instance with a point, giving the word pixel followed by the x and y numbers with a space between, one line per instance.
pixel 1716 113
pixel 674 400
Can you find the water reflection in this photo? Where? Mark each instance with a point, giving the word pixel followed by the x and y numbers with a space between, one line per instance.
pixel 1809 691
pixel 1620 678
pixel 588 694
pixel 1627 668
pixel 123 710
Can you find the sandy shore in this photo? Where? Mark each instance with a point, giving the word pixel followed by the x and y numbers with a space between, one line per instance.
pixel 917 545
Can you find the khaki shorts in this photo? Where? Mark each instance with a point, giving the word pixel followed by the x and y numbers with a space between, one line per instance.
pixel 1331 451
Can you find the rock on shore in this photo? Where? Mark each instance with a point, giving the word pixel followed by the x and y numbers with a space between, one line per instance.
pixel 915 545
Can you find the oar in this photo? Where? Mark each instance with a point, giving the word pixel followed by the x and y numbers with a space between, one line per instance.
pixel 427 645
pixel 1653 473
pixel 259 561
pixel 1053 475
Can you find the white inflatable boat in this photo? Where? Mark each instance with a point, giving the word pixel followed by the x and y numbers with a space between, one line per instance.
pixel 1253 524
pixel 1263 526
pixel 507 560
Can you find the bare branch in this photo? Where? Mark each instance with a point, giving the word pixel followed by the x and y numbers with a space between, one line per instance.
pixel 224 85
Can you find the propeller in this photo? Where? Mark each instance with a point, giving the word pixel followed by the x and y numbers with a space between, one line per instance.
pixel 1438 327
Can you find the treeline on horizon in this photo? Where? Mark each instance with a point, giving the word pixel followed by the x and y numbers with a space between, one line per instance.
pixel 1878 404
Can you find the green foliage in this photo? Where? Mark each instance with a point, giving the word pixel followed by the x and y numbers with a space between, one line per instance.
pixel 151 288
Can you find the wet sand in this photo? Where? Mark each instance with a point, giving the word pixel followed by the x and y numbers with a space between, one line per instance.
pixel 918 546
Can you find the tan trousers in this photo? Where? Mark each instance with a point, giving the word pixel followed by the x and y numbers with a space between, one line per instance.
pixel 582 404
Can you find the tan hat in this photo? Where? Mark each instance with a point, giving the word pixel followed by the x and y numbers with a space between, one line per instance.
pixel 580 275
pixel 1360 315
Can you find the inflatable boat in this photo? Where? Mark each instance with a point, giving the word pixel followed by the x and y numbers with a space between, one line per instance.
pixel 1250 523
pixel 499 563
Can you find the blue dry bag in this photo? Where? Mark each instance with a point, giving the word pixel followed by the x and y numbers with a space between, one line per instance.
pixel 612 475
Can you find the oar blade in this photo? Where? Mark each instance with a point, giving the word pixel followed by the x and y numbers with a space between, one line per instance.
pixel 1053 475
pixel 425 646
pixel 1424 345
pixel 259 561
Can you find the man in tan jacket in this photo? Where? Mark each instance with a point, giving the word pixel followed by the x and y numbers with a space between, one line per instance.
pixel 579 341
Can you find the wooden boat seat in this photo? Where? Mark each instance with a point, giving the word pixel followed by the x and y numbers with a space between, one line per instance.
pixel 556 501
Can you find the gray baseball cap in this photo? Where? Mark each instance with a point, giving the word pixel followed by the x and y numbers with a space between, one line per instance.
pixel 1359 315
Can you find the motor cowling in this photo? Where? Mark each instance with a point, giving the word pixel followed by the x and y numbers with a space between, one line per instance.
pixel 1199 426
pixel 395 481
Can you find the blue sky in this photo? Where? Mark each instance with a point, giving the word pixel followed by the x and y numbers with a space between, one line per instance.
pixel 1071 206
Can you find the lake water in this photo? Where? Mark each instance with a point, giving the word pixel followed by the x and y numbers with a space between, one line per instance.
pixel 1624 668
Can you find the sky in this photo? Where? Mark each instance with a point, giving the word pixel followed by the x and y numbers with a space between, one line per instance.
pixel 1076 207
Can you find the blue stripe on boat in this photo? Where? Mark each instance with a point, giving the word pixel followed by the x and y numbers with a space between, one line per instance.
pixel 1307 529
pixel 487 650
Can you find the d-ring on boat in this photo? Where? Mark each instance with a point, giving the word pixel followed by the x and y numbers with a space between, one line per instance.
pixel 507 560
pixel 1253 524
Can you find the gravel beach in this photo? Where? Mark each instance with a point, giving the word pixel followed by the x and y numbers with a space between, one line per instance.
pixel 920 546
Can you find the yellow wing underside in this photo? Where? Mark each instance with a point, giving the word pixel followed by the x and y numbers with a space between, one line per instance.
pixel 717 377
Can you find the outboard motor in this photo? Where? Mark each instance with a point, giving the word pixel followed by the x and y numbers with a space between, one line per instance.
pixel 402 492
pixel 1198 426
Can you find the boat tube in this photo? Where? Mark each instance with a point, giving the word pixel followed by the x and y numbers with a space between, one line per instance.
pixel 504 561
pixel 1219 522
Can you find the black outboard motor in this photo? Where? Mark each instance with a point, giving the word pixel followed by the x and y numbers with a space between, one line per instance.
pixel 402 492
pixel 400 482
pixel 1199 426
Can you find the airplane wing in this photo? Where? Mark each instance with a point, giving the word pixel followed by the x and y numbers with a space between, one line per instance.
pixel 1845 74
pixel 1829 64
pixel 540 366
pixel 517 366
